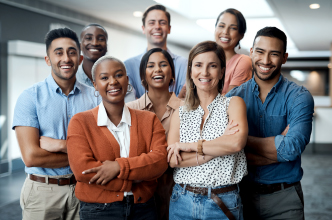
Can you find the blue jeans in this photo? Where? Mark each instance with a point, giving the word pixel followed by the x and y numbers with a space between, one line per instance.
pixel 124 210
pixel 188 205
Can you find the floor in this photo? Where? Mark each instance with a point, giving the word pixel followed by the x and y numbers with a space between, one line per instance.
pixel 316 183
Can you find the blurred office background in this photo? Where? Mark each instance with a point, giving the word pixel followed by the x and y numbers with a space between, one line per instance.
pixel 307 23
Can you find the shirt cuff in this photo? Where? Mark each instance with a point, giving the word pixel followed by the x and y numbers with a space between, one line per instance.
pixel 280 144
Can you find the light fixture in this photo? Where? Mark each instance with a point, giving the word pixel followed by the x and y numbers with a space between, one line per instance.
pixel 314 6
pixel 138 14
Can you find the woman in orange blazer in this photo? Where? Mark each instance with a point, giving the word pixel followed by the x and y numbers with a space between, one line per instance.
pixel 115 152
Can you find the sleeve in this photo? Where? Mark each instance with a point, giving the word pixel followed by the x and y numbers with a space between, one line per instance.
pixel 25 112
pixel 151 165
pixel 291 146
pixel 242 71
pixel 181 75
pixel 81 157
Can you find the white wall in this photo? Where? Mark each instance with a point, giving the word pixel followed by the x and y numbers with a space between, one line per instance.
pixel 26 66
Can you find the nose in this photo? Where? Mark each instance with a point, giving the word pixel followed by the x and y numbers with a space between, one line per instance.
pixel 157 25
pixel 266 59
pixel 225 31
pixel 94 41
pixel 66 57
pixel 205 71
pixel 112 81
pixel 157 69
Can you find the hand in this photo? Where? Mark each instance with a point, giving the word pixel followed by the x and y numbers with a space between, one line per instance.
pixel 285 131
pixel 53 145
pixel 104 173
pixel 230 128
pixel 175 149
pixel 182 93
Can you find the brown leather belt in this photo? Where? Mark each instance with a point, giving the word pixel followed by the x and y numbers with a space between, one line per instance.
pixel 60 181
pixel 204 191
pixel 270 188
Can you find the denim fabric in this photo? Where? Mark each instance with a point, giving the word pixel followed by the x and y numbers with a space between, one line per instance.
pixel 124 210
pixel 132 67
pixel 44 106
pixel 286 104
pixel 187 205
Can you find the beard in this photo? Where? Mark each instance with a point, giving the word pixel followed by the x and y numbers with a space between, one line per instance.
pixel 272 76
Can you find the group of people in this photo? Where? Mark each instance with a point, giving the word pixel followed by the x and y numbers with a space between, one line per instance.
pixel 217 136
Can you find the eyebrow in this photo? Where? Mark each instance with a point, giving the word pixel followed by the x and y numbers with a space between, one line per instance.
pixel 272 51
pixel 61 48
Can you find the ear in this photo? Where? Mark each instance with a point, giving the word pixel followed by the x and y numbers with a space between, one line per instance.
pixel 169 29
pixel 95 85
pixel 285 58
pixel 251 51
pixel 48 61
pixel 81 59
pixel 242 35
pixel 222 72
pixel 143 29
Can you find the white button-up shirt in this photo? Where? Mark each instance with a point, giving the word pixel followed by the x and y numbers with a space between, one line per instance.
pixel 121 132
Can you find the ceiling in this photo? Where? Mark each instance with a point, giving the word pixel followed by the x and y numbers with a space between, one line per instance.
pixel 309 31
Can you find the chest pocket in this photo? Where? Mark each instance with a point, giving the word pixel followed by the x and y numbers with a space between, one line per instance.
pixel 277 124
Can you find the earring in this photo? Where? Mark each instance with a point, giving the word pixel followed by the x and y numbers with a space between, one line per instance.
pixel 95 93
pixel 192 88
pixel 130 87
pixel 171 81
pixel 239 46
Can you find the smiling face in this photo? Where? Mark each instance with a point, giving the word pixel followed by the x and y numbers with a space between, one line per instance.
pixel 226 33
pixel 267 56
pixel 158 71
pixel 93 43
pixel 64 58
pixel 156 29
pixel 206 72
pixel 111 81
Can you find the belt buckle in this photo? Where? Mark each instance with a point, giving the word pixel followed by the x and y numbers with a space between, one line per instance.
pixel 63 179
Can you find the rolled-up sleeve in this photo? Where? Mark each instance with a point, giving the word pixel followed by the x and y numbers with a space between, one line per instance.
pixel 290 146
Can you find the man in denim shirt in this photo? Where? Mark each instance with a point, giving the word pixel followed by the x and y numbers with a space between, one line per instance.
pixel 280 121
pixel 41 117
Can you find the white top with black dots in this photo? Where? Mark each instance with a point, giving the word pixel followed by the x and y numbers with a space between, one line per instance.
pixel 223 170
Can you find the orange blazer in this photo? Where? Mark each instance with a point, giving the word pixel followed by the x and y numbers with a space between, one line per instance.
pixel 88 145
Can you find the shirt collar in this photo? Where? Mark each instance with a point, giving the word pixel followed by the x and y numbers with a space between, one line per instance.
pixel 146 104
pixel 81 76
pixel 275 88
pixel 103 119
pixel 56 88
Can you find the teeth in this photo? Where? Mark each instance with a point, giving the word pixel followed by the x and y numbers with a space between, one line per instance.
pixel 204 80
pixel 265 69
pixel 224 39
pixel 158 77
pixel 65 67
pixel 157 34
pixel 113 90
pixel 93 50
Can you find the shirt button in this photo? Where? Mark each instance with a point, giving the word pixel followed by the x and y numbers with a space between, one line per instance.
pixel 68 116
pixel 150 150
pixel 117 195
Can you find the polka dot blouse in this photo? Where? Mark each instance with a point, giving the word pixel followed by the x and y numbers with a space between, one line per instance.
pixel 223 170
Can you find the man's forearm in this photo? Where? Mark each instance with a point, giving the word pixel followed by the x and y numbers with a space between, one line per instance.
pixel 264 147
pixel 258 160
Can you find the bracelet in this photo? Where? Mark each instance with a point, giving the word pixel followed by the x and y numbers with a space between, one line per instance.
pixel 200 147
pixel 197 159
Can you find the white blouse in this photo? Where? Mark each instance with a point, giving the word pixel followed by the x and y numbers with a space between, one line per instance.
pixel 223 170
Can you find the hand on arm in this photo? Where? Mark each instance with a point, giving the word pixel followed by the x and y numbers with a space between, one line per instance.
pixel 32 153
pixel 53 145
pixel 104 173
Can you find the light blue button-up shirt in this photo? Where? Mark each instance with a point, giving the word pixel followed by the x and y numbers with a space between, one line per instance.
pixel 286 104
pixel 46 107
pixel 132 66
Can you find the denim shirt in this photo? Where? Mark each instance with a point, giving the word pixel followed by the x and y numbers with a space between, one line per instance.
pixel 45 107
pixel 286 104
